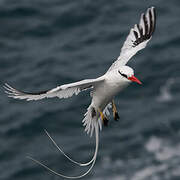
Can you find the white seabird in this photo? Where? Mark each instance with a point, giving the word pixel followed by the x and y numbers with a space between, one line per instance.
pixel 104 88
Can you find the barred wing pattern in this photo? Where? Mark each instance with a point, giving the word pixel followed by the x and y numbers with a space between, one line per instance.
pixel 63 91
pixel 137 39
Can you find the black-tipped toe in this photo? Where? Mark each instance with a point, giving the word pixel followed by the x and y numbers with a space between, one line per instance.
pixel 116 116
pixel 105 122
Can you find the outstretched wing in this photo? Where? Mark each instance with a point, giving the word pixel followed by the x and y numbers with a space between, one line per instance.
pixel 63 91
pixel 137 39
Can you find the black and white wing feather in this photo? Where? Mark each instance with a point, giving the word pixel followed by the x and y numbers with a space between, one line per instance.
pixel 63 91
pixel 137 39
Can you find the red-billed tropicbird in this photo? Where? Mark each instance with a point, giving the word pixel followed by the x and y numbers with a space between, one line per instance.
pixel 104 88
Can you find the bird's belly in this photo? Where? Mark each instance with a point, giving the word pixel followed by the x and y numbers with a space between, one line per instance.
pixel 103 95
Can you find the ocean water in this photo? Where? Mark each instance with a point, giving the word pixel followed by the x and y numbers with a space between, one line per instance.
pixel 48 43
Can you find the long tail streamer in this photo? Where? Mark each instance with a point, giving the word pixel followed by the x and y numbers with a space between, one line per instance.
pixel 70 159
pixel 73 177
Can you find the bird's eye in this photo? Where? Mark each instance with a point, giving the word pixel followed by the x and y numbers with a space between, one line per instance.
pixel 124 75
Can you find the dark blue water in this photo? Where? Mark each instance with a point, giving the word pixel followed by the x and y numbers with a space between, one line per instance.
pixel 48 43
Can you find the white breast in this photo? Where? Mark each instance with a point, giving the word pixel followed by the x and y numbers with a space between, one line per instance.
pixel 105 92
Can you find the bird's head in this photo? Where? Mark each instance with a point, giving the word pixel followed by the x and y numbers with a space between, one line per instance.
pixel 127 73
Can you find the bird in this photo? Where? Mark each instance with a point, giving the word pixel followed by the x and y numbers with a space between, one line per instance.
pixel 103 88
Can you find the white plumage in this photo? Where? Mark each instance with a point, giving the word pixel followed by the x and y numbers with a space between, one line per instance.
pixel 103 88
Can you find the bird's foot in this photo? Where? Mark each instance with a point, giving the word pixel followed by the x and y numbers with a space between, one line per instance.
pixel 116 116
pixel 105 121
pixel 103 117
pixel 115 113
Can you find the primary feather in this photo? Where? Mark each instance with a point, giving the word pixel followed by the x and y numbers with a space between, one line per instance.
pixel 63 91
pixel 103 88
pixel 137 39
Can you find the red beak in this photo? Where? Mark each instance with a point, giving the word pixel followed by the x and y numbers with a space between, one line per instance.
pixel 134 79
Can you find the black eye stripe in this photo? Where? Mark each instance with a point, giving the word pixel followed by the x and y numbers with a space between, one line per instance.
pixel 124 75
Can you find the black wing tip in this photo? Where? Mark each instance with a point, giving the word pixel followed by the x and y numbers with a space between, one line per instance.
pixel 148 17
pixel 151 16
pixel 10 90
pixel 7 88
pixel 38 93
pixel 155 17
pixel 153 11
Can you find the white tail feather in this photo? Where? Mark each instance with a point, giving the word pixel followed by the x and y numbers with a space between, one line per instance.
pixel 82 175
pixel 70 159
pixel 89 122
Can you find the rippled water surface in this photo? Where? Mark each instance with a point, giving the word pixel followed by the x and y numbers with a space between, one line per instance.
pixel 47 43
